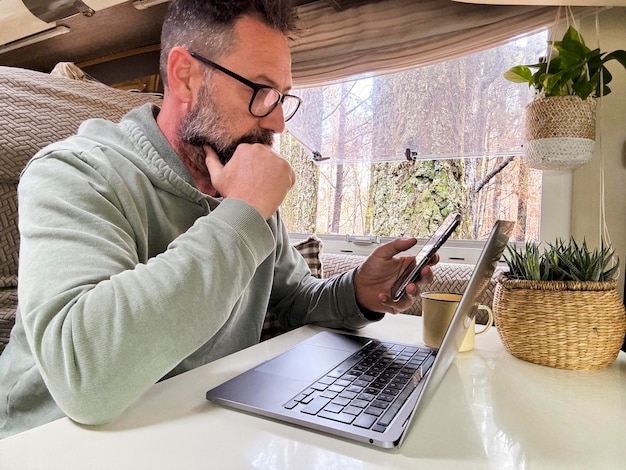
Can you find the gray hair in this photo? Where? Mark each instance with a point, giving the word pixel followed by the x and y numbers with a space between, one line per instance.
pixel 208 26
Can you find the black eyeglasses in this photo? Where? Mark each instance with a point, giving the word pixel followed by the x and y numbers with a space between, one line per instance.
pixel 264 98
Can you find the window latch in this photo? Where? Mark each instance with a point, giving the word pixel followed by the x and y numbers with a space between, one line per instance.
pixel 363 239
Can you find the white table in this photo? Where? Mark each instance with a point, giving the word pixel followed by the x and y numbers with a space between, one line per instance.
pixel 492 411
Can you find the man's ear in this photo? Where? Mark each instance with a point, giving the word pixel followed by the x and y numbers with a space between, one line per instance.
pixel 184 75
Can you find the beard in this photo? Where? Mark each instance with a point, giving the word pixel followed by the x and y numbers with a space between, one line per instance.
pixel 205 125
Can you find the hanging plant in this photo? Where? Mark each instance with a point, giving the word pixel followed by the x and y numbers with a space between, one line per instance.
pixel 573 70
pixel 560 121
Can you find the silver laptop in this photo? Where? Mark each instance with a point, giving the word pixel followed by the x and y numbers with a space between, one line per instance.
pixel 355 387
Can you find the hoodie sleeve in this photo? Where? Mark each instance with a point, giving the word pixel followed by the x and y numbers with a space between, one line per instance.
pixel 299 298
pixel 106 317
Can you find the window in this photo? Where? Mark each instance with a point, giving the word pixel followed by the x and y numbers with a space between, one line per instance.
pixel 391 155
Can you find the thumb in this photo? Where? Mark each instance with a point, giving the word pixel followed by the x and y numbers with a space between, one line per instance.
pixel 394 247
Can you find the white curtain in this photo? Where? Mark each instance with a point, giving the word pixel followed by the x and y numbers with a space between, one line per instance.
pixel 395 35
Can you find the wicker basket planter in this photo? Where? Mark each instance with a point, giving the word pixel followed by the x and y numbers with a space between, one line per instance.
pixel 562 324
pixel 560 132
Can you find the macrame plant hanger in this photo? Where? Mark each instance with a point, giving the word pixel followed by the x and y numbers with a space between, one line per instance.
pixel 560 130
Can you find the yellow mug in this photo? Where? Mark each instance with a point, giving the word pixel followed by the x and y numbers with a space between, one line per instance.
pixel 437 311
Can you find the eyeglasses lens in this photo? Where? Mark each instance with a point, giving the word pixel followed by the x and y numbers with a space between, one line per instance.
pixel 267 99
pixel 290 106
pixel 264 102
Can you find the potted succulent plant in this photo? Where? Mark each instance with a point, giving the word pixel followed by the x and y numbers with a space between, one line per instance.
pixel 559 306
pixel 560 121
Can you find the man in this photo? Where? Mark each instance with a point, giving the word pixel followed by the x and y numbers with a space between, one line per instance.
pixel 154 246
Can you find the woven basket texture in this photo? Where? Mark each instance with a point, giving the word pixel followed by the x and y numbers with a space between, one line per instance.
pixel 562 324
pixel 561 116
pixel 560 132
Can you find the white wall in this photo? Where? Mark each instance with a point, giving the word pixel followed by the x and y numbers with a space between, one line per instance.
pixel 610 147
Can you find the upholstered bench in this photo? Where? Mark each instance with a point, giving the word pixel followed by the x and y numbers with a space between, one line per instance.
pixel 38 109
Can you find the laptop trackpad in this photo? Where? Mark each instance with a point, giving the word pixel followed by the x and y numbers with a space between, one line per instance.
pixel 304 362
pixel 271 384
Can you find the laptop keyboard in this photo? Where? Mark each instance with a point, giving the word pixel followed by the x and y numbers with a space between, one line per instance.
pixel 368 389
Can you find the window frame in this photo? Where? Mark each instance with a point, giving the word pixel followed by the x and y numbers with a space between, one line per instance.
pixel 555 222
pixel 556 201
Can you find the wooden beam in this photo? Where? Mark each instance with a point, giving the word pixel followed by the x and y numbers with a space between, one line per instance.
pixel 336 4
pixel 119 55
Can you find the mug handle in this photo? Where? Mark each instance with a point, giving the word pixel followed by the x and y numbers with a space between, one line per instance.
pixel 489 321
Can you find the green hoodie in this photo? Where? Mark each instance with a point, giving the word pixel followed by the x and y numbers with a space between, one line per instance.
pixel 128 274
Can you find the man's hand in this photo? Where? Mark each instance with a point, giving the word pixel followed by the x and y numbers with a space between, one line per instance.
pixel 375 278
pixel 255 174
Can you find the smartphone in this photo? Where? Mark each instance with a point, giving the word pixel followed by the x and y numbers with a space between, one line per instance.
pixel 437 239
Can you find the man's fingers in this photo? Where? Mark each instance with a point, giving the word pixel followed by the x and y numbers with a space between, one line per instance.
pixel 434 259
pixel 213 163
pixel 215 168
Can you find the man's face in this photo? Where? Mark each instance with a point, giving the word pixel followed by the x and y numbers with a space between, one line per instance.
pixel 207 125
pixel 219 117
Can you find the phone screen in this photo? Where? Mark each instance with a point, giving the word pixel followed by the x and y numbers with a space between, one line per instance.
pixel 437 239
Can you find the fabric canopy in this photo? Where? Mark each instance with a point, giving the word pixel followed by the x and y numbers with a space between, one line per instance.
pixel 396 35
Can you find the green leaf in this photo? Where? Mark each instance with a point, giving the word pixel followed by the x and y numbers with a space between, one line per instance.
pixel 584 89
pixel 566 261
pixel 573 35
pixel 619 55
pixel 572 52
pixel 519 74
pixel 605 74
pixel 573 69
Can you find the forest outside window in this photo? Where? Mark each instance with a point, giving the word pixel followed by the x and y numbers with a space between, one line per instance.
pixel 391 155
